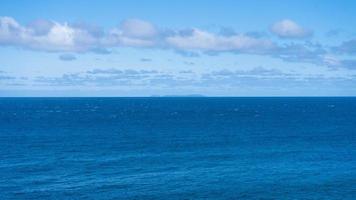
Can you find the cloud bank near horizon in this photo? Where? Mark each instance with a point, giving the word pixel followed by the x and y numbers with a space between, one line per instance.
pixel 52 36
pixel 142 82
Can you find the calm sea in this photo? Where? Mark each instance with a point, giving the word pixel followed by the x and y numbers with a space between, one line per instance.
pixel 177 148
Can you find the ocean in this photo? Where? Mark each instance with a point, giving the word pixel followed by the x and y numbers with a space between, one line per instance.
pixel 178 148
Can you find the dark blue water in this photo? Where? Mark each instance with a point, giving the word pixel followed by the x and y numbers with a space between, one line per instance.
pixel 177 148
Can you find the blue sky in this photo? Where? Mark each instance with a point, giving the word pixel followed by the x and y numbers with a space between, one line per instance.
pixel 143 48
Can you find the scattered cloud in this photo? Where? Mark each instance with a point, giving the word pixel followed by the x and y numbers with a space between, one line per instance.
pixel 216 82
pixel 46 35
pixel 41 26
pixel 100 77
pixel 289 29
pixel 137 28
pixel 189 63
pixel 71 38
pixel 101 51
pixel 145 60
pixel 346 63
pixel 255 77
pixel 347 47
pixel 67 57
pixel 189 54
pixel 5 77
pixel 196 39
pixel 186 72
pixel 126 72
pixel 305 53
pixel 132 32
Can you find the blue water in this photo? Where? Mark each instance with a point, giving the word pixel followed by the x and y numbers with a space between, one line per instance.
pixel 177 148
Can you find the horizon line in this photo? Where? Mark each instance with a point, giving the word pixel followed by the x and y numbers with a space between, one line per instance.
pixel 179 96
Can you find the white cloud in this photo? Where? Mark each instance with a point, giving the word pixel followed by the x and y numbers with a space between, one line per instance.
pixel 117 38
pixel 11 32
pixel 202 40
pixel 53 36
pixel 138 28
pixel 62 37
pixel 289 29
pixel 132 32
pixel 41 27
pixel 56 37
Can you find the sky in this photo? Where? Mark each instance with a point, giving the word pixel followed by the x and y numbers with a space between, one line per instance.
pixel 145 48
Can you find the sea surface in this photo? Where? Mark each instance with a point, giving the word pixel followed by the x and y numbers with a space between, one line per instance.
pixel 178 148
